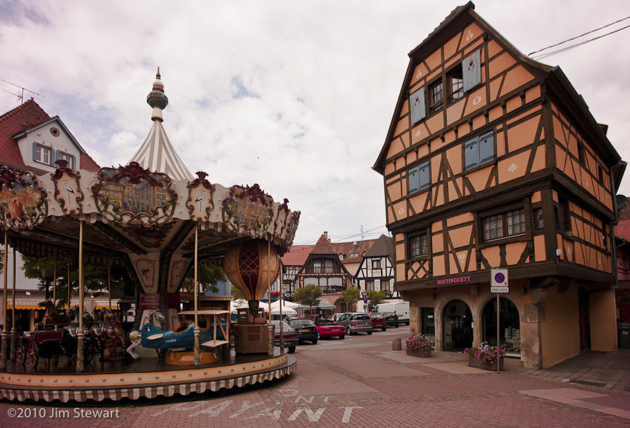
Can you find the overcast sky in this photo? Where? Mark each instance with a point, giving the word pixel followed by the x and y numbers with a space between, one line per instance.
pixel 296 96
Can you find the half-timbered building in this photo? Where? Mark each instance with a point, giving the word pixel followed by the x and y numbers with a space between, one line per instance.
pixel 376 272
pixel 493 160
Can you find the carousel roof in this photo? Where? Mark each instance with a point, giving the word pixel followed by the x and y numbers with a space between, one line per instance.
pixel 157 153
pixel 153 205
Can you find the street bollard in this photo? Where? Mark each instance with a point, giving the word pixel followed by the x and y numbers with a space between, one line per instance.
pixel 396 344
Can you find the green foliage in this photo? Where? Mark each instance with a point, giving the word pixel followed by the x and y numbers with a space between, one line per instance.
pixel 375 297
pixel 207 275
pixel 95 276
pixel 351 296
pixel 329 312
pixel 307 312
pixel 236 293
pixel 308 295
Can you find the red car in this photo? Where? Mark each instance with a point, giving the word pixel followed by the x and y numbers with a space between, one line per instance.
pixel 378 321
pixel 328 328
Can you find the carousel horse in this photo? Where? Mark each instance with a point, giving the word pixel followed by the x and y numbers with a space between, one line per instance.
pixel 51 316
pixel 113 334
pixel 156 318
pixel 88 320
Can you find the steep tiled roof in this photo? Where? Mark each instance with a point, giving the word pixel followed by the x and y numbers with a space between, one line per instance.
pixel 357 249
pixel 297 256
pixel 22 119
pixel 323 246
pixel 18 120
pixel 384 246
pixel 88 164
pixel 622 229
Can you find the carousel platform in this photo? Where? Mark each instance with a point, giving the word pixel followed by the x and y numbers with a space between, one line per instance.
pixel 56 379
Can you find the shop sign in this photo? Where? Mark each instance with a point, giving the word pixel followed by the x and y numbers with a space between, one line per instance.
pixel 149 301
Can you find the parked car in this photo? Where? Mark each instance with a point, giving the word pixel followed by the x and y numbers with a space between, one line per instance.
pixel 392 319
pixel 378 321
pixel 289 336
pixel 356 322
pixel 305 329
pixel 329 328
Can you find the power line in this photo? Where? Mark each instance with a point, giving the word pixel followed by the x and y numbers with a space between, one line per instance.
pixel 21 97
pixel 581 35
pixel 341 237
pixel 545 55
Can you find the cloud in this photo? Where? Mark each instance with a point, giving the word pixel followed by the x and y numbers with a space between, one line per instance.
pixel 295 96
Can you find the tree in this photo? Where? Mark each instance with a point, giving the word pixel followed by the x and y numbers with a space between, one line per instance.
pixel 376 297
pixel 351 296
pixel 308 295
pixel 42 268
pixel 236 293
pixel 207 275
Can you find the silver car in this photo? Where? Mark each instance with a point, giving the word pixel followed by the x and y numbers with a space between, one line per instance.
pixel 356 322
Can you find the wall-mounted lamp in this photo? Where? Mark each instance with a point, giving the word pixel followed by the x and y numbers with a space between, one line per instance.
pixel 558 252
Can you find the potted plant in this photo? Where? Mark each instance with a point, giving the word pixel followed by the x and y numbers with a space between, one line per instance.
pixel 485 356
pixel 419 346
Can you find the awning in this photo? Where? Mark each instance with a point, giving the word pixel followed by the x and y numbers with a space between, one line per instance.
pixel 104 304
pixel 24 304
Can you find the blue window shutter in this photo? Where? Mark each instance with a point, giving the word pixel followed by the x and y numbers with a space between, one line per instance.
pixel 471 68
pixel 414 180
pixel 416 104
pixel 471 153
pixel 54 155
pixel 74 163
pixel 424 176
pixel 35 147
pixel 486 148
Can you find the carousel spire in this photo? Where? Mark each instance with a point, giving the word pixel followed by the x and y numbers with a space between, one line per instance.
pixel 157 99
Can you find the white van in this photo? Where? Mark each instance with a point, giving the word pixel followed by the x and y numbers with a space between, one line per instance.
pixel 400 307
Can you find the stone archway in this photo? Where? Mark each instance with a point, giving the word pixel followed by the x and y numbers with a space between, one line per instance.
pixel 481 303
pixel 440 305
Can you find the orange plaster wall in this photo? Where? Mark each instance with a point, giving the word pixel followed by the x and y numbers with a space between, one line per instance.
pixel 389 168
pixel 434 60
pixel 513 252
pixel 418 201
pixel 536 197
pixel 492 254
pixel 476 100
pixel 539 159
pixel 515 78
pixel 437 243
pixel 454 112
pixel 435 123
pixel 401 126
pixel 603 321
pixel 495 85
pixel 493 48
pixel 479 178
pixel 460 237
pixel 419 133
pixel 558 131
pixel 463 218
pixel 405 108
pixel 469 34
pixel 454 158
pixel 532 94
pixel 394 191
pixel 418 73
pixel 436 227
pixel 539 248
pixel 501 63
pixel 400 272
pixel 513 167
pixel 400 251
pixel 439 268
pixel 401 210
pixel 522 134
pixel 450 47
pixel 560 331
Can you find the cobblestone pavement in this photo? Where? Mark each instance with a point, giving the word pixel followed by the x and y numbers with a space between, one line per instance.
pixel 360 381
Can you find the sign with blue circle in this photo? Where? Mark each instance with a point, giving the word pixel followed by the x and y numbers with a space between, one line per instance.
pixel 499 281
pixel 364 300
pixel 499 278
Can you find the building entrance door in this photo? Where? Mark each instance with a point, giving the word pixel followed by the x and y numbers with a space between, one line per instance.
pixel 457 326
pixel 510 326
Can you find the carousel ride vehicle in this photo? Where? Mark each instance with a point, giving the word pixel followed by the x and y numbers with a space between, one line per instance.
pixel 154 220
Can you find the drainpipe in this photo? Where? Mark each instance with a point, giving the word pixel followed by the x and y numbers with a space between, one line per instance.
pixel 613 244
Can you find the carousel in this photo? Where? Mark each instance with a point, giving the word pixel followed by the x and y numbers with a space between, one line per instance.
pixel 156 221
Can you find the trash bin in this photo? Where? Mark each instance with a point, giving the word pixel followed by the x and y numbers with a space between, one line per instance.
pixel 624 334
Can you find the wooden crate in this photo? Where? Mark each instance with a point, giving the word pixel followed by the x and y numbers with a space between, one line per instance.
pixel 253 338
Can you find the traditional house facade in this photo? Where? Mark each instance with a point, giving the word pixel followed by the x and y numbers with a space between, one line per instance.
pixel 376 272
pixel 493 160
pixel 292 263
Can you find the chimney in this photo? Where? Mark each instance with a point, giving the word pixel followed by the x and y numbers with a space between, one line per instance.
pixel 326 234
pixel 604 128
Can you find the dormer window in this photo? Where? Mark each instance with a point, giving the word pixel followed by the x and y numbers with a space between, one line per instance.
pixel 41 154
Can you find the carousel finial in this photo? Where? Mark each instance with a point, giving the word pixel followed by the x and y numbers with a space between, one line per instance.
pixel 157 99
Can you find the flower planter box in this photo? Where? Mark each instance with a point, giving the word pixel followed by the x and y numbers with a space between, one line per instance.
pixel 420 354
pixel 473 362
